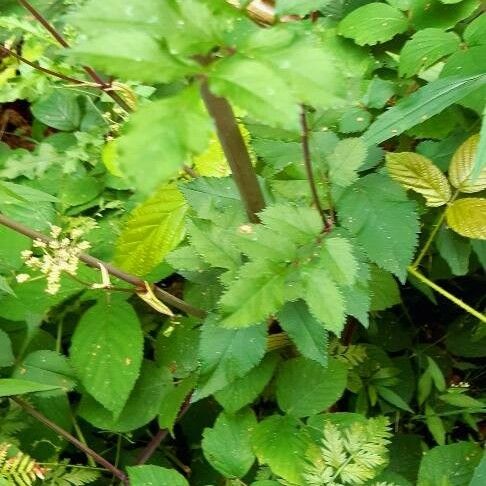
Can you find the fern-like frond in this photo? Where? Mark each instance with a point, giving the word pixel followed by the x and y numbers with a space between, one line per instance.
pixel 64 474
pixel 19 469
pixel 12 421
pixel 352 355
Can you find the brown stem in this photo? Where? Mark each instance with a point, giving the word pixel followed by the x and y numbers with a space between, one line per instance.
pixel 308 167
pixel 40 68
pixel 236 152
pixel 161 434
pixel 102 84
pixel 63 433
pixel 116 272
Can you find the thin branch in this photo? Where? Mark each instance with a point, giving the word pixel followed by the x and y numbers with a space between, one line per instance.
pixel 308 168
pixel 161 434
pixel 112 270
pixel 40 68
pixel 236 152
pixel 66 435
pixel 102 84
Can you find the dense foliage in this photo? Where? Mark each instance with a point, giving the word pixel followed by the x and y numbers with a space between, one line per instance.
pixel 242 242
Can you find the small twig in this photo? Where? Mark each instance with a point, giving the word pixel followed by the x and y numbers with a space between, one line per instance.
pixel 102 84
pixel 309 171
pixel 66 435
pixel 236 152
pixel 40 68
pixel 161 434
pixel 93 262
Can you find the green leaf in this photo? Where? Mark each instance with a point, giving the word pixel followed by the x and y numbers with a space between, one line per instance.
pixel 258 292
pixel 462 167
pixel 455 250
pixel 47 367
pixel 337 258
pixel 18 194
pixel 59 109
pixel 142 406
pixel 278 442
pixel 376 211
pixel 5 287
pixel 383 288
pixel 227 446
pixel 246 389
pixel 324 299
pixel 173 401
pixel 435 425
pixel 299 7
pixel 256 88
pixel 433 13
pixel 305 387
pixel 475 32
pixel 416 172
pixel 148 164
pixel 373 23
pixel 348 156
pixel 461 400
pixel 11 386
pixel 11 246
pixel 451 464
pixel 479 162
pixel 354 120
pixel 307 333
pixel 468 217
pixel 391 397
pixel 153 229
pixel 6 353
pixel 421 105
pixel 378 93
pixel 155 475
pixel 106 351
pixel 479 477
pixel 425 48
pixel 227 354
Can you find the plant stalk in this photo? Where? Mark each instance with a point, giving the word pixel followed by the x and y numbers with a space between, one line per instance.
pixel 236 152
pixel 93 262
pixel 66 435
pixel 413 271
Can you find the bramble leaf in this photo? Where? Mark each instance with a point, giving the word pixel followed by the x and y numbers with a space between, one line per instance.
pixel 468 217
pixel 151 475
pixel 416 172
pixel 153 229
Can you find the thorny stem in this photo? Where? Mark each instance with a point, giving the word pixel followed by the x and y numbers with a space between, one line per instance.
pixel 308 169
pixel 66 435
pixel 103 85
pixel 413 271
pixel 93 262
pixel 236 152
pixel 36 65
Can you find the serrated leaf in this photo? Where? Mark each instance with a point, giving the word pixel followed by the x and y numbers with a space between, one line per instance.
pixel 306 332
pixel 256 88
pixel 278 442
pixel 59 109
pixel 354 120
pixel 337 258
pixel 324 299
pixel 377 212
pixel 212 162
pixel 258 292
pixel 153 229
pixel 155 144
pixel 347 157
pixel 155 475
pixel 425 48
pixel 244 390
pixel 421 105
pixel 433 13
pixel 373 23
pixel 468 217
pixel 416 172
pixel 227 445
pixel 462 167
pixel 455 250
pixel 305 387
pixel 383 288
pixel 106 352
pixel 378 93
pixel 227 354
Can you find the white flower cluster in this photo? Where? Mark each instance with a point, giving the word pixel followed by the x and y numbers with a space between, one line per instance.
pixel 60 254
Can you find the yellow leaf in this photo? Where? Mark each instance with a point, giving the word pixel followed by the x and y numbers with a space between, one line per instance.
pixel 468 217
pixel 462 165
pixel 151 299
pixel 416 172
pixel 153 229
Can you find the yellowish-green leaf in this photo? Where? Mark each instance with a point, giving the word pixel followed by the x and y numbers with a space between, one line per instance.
pixel 462 166
pixel 468 217
pixel 416 172
pixel 154 229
